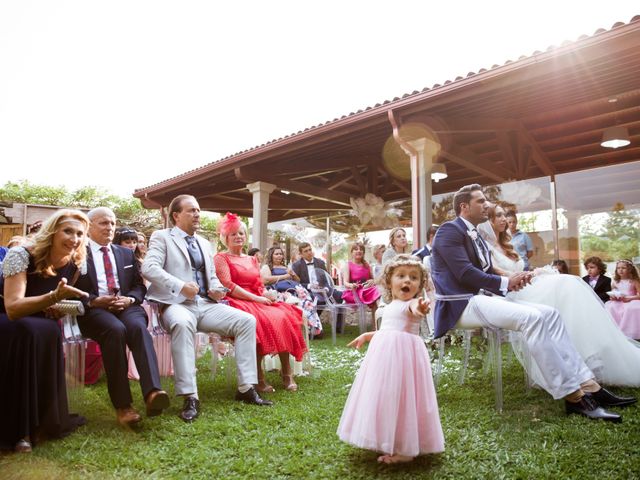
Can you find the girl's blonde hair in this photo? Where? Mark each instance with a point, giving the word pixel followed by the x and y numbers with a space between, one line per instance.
pixel 392 234
pixel 43 241
pixel 400 260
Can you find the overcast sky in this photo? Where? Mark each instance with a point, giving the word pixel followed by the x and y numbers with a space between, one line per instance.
pixel 124 94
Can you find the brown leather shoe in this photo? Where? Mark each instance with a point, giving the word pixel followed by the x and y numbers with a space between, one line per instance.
pixel 156 401
pixel 127 416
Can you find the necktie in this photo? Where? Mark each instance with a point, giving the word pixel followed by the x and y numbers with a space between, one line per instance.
pixel 108 271
pixel 482 251
pixel 194 251
pixel 197 262
pixel 310 263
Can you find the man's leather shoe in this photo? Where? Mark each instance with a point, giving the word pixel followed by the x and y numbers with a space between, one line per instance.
pixel 588 407
pixel 156 401
pixel 190 409
pixel 607 399
pixel 252 397
pixel 127 416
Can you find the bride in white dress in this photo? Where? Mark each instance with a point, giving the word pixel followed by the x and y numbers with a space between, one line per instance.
pixel 612 357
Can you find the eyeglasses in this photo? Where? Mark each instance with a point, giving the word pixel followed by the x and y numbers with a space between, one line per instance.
pixel 127 231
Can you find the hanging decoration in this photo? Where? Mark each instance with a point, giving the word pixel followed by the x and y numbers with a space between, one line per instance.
pixel 373 210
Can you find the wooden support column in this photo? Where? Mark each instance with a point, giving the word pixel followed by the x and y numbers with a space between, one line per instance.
pixel 261 192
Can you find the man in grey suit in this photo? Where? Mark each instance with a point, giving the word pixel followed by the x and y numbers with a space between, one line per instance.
pixel 179 265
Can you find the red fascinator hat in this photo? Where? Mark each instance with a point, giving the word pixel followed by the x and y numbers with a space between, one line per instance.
pixel 228 224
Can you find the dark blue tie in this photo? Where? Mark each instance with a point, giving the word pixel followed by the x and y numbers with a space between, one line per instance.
pixel 197 263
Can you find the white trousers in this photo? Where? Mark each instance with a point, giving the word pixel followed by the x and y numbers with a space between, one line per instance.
pixel 555 363
pixel 184 320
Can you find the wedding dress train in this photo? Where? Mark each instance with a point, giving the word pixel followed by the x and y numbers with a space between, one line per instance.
pixel 612 357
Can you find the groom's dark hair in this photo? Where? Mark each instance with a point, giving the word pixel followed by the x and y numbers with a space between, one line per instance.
pixel 464 196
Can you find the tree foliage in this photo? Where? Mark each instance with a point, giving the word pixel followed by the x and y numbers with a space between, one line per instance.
pixel 129 211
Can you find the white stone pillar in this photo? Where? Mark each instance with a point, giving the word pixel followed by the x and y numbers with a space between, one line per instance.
pixel 261 192
pixel 421 191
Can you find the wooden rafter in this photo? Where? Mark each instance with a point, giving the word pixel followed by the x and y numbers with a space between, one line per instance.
pixel 300 188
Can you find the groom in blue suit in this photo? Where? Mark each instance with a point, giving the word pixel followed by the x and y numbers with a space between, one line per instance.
pixel 461 268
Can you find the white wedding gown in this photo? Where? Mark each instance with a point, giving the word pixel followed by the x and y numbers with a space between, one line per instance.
pixel 610 355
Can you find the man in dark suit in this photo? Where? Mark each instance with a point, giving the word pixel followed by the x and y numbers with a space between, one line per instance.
pixel 306 269
pixel 596 278
pixel 425 251
pixel 461 267
pixel 115 319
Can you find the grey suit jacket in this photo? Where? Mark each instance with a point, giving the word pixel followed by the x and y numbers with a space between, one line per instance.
pixel 168 267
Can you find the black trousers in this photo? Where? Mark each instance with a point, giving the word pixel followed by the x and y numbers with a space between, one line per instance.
pixel 114 332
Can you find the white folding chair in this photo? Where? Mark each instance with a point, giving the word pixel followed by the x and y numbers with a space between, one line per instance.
pixel 324 292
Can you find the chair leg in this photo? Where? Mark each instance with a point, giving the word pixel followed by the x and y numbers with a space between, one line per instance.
pixel 334 321
pixel 466 334
pixel 440 360
pixel 495 352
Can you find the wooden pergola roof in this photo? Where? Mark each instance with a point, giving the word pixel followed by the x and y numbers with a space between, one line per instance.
pixel 541 115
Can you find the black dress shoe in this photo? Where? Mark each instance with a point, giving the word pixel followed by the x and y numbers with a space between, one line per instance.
pixel 252 397
pixel 607 399
pixel 588 407
pixel 190 409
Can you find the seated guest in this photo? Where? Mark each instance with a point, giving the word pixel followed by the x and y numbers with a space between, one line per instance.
pixel 624 306
pixel 183 280
pixel 596 278
pixel 305 268
pixel 116 320
pixel 397 244
pixel 376 268
pixel 128 238
pixel 358 281
pixel 34 278
pixel 561 266
pixel 281 278
pixel 278 324
pixel 141 249
pixel 255 252
pixel 520 240
pixel 276 274
pixel 426 250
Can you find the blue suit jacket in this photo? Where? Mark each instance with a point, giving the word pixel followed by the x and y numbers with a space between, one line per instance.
pixel 129 278
pixel 456 269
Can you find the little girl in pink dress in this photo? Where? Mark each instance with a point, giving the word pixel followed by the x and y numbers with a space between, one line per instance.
pixel 392 406
pixel 624 306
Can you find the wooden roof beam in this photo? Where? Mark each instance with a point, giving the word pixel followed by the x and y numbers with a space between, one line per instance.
pixel 465 157
pixel 243 174
pixel 539 157
pixel 509 149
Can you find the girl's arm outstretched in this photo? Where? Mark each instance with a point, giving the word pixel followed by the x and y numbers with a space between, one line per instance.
pixel 360 340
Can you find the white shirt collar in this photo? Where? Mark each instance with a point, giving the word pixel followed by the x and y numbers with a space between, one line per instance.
pixel 95 246
pixel 470 226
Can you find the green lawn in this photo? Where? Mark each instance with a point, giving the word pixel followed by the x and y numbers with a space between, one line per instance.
pixel 296 437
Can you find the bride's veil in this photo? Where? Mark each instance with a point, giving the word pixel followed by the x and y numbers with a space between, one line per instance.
pixel 486 232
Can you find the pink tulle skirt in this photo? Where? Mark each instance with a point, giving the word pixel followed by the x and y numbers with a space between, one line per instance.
pixel 626 315
pixel 392 406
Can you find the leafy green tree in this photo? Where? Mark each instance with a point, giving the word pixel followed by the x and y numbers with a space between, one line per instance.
pixel 128 210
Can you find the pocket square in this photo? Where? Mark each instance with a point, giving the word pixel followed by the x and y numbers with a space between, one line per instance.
pixel 128 266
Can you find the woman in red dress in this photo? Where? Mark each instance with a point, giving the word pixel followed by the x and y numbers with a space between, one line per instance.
pixel 279 325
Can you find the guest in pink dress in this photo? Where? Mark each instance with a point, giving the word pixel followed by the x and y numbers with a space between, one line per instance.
pixel 392 406
pixel 624 306
pixel 359 282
